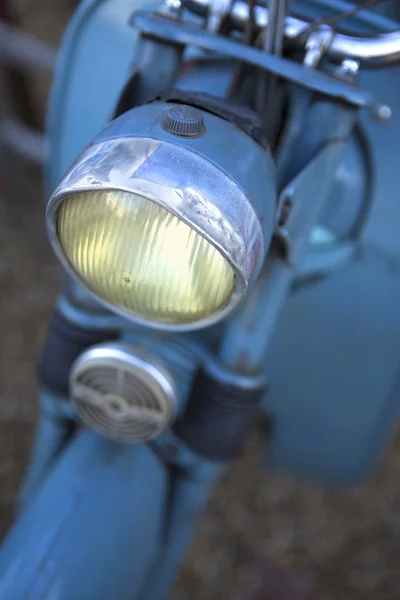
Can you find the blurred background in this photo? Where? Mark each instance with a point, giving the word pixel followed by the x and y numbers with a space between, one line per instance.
pixel 346 543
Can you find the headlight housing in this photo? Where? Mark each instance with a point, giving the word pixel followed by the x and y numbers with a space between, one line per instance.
pixel 163 227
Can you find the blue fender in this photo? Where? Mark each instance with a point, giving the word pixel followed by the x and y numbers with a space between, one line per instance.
pixel 93 529
pixel 334 373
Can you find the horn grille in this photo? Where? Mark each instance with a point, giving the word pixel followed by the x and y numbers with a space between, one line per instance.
pixel 121 393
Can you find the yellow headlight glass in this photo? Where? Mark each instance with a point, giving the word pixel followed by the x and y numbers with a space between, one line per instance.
pixel 139 256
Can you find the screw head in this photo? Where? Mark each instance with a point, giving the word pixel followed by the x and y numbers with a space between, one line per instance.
pixel 349 70
pixel 382 112
pixel 184 121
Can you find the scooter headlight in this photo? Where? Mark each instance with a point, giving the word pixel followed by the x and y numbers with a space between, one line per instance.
pixel 163 226
pixel 142 258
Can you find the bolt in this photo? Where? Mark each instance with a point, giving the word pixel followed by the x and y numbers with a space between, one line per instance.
pixel 382 112
pixel 317 44
pixel 171 9
pixel 349 70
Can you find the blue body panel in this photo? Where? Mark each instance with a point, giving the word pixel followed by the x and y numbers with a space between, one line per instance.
pixel 189 495
pixel 334 373
pixel 51 434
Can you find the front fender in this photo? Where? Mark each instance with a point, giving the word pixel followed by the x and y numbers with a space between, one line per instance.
pixel 94 528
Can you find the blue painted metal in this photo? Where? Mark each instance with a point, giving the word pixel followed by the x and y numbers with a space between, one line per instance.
pixel 323 122
pixel 90 319
pixel 52 431
pixel 350 196
pixel 178 350
pixel 189 492
pixel 181 360
pixel 298 108
pixel 333 362
pixel 99 527
pixel 50 438
pixel 248 334
pixel 94 528
pixel 157 66
pixel 206 74
pixel 352 190
pixel 333 371
pixel 184 355
pixel 381 227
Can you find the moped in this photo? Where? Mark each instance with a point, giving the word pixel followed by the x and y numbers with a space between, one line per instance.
pixel 223 190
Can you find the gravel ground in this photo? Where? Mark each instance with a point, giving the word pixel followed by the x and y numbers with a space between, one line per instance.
pixel 349 542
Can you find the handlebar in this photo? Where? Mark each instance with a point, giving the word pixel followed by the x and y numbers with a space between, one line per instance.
pixel 376 51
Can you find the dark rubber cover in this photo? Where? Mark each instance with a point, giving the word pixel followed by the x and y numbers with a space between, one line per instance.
pixel 64 342
pixel 218 418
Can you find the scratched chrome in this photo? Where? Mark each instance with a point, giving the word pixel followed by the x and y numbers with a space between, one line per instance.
pixel 183 182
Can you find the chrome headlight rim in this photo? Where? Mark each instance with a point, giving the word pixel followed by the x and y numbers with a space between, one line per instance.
pixel 191 179
pixel 239 290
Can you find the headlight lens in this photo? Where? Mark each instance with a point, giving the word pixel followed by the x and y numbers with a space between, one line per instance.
pixel 139 256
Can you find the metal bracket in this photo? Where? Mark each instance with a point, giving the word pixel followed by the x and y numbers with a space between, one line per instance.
pixel 190 34
pixel 304 198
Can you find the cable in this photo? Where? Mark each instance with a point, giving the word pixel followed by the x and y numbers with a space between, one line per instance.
pixel 344 15
pixel 248 39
